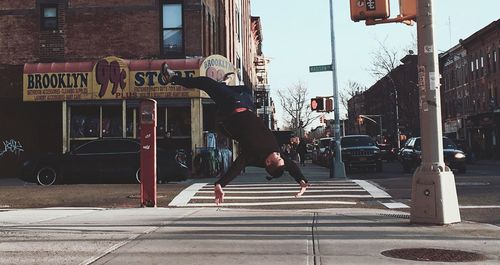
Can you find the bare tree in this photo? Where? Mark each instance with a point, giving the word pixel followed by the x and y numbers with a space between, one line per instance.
pixel 296 105
pixel 384 61
pixel 350 91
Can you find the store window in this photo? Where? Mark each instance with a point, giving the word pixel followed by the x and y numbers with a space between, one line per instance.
pixel 49 17
pixel 131 123
pixel 90 122
pixel 179 122
pixel 84 122
pixel 111 124
pixel 172 30
pixel 160 122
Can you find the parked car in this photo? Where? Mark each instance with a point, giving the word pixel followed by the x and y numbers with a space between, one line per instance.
pixel 387 152
pixel 360 151
pixel 410 155
pixel 102 161
pixel 319 154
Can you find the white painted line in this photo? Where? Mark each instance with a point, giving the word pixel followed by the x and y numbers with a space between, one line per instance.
pixel 480 207
pixel 395 205
pixel 268 203
pixel 281 197
pixel 183 198
pixel 282 191
pixel 281 188
pixel 372 189
pixel 472 183
pixel 313 183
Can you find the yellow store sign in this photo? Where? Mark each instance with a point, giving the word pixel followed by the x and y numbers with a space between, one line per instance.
pixel 116 78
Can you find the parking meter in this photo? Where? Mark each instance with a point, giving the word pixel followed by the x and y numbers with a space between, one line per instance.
pixel 148 152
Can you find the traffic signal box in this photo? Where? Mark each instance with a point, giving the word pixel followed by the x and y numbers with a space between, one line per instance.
pixel 322 104
pixel 329 104
pixel 318 104
pixel 369 9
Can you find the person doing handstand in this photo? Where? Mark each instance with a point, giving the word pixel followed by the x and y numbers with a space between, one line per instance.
pixel 239 122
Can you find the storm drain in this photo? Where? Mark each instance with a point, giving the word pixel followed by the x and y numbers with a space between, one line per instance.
pixel 433 254
pixel 401 216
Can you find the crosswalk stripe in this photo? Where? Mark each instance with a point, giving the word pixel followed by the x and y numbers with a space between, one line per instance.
pixel 278 188
pixel 281 191
pixel 183 198
pixel 268 203
pixel 280 194
pixel 315 183
pixel 281 197
pixel 372 189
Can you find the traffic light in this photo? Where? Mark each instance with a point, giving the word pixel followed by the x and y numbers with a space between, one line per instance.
pixel 369 9
pixel 318 104
pixel 329 104
pixel 322 119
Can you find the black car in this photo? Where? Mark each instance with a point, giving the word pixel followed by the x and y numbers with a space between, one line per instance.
pixel 102 161
pixel 410 155
pixel 387 152
pixel 320 153
pixel 361 152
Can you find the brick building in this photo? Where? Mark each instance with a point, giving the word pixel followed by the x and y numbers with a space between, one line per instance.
pixel 391 101
pixel 471 91
pixel 75 70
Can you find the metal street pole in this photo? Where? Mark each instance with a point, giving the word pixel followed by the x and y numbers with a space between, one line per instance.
pixel 338 165
pixel 434 195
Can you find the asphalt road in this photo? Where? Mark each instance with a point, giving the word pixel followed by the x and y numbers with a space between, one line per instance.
pixel 478 189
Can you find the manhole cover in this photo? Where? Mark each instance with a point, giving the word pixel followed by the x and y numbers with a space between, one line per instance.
pixel 433 254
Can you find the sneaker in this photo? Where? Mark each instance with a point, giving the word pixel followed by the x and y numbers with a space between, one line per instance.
pixel 166 73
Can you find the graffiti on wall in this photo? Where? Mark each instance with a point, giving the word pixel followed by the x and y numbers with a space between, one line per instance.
pixel 11 146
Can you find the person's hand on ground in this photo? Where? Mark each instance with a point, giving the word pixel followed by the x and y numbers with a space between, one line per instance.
pixel 219 194
pixel 303 188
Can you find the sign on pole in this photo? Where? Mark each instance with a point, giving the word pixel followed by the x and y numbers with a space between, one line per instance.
pixel 320 68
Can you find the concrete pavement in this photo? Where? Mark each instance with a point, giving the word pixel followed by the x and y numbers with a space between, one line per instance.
pixel 228 236
pixel 210 235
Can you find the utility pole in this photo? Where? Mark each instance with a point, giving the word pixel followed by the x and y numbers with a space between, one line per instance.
pixel 434 195
pixel 338 165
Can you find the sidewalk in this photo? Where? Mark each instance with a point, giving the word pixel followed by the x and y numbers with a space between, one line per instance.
pixel 230 235
pixel 227 236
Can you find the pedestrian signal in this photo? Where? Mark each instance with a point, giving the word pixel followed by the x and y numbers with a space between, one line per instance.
pixel 369 9
pixel 318 104
pixel 329 105
pixel 359 120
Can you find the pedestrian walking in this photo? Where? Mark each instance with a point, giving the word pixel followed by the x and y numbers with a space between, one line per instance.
pixel 239 122
pixel 302 150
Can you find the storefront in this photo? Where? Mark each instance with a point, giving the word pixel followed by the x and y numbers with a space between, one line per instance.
pixel 483 134
pixel 100 99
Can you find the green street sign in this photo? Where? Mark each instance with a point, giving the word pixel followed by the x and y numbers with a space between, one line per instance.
pixel 320 68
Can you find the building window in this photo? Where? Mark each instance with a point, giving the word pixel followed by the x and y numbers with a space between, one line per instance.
pixel 111 122
pixel 84 122
pixel 49 17
pixel 90 122
pixel 179 122
pixel 172 31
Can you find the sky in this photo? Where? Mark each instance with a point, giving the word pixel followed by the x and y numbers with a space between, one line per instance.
pixel 296 35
